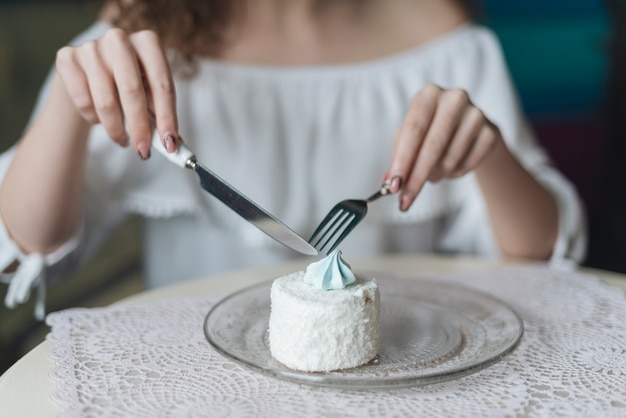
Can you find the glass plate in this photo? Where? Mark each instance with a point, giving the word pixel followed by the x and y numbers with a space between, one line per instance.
pixel 430 332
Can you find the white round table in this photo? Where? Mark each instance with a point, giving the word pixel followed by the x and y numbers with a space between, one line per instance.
pixel 25 389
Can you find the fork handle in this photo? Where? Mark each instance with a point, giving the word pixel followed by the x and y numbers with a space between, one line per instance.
pixel 383 191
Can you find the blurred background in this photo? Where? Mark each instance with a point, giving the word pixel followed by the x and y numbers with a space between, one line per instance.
pixel 566 57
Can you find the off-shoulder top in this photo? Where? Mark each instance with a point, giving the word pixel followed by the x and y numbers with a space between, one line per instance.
pixel 298 140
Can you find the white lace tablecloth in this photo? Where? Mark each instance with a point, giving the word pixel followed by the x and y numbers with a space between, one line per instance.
pixel 152 360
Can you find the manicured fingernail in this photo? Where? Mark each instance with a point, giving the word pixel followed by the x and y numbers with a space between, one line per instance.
pixel 143 149
pixel 405 202
pixel 168 139
pixel 125 142
pixel 395 184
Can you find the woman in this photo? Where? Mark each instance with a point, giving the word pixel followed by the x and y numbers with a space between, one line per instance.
pixel 299 104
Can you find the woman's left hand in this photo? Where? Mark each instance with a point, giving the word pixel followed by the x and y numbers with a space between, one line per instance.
pixel 443 136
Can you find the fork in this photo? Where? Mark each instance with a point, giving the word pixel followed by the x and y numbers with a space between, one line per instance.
pixel 343 218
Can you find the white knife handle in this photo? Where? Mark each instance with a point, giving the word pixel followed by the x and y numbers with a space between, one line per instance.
pixel 181 157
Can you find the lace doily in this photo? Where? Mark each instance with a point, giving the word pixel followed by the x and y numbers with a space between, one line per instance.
pixel 152 360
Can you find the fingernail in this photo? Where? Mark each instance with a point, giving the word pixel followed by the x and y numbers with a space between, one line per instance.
pixel 396 184
pixel 168 139
pixel 405 202
pixel 143 149
pixel 125 142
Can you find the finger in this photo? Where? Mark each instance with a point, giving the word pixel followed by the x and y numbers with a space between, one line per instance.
pixel 485 142
pixel 103 92
pixel 463 140
pixel 158 77
pixel 126 69
pixel 451 107
pixel 76 85
pixel 412 132
pixel 436 174
pixel 394 181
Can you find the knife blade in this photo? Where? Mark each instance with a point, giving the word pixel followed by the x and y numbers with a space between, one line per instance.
pixel 236 200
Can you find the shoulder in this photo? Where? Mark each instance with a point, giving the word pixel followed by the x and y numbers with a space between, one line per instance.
pixel 467 48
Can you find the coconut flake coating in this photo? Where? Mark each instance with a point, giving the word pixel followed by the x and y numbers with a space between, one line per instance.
pixel 322 330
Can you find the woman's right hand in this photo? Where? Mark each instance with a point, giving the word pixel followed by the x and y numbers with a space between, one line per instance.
pixel 124 82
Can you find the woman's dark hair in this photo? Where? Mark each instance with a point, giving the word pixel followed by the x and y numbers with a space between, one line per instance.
pixel 199 27
pixel 474 8
pixel 190 27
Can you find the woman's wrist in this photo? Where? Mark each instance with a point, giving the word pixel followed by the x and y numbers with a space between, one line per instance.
pixel 523 213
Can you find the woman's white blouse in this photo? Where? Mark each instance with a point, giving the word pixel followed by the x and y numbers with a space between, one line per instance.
pixel 298 140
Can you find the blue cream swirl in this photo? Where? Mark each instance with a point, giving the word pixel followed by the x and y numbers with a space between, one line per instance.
pixel 329 273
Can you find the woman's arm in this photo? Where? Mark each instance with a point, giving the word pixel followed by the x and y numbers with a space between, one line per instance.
pixel 41 192
pixel 121 81
pixel 523 213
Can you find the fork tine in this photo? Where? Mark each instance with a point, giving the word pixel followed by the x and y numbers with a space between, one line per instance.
pixel 353 223
pixel 343 218
pixel 323 226
pixel 342 221
pixel 328 227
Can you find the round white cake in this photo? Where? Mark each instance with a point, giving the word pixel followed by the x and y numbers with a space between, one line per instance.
pixel 311 329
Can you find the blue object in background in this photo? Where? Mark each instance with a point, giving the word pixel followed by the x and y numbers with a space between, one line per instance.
pixel 556 51
pixel 533 8
pixel 557 54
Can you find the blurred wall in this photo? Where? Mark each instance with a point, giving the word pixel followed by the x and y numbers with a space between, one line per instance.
pixel 608 219
pixel 557 52
pixel 30 34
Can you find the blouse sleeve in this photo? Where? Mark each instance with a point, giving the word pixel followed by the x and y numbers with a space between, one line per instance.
pixel 486 77
pixel 31 267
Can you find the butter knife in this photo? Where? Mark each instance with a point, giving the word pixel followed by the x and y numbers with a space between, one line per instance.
pixel 234 199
